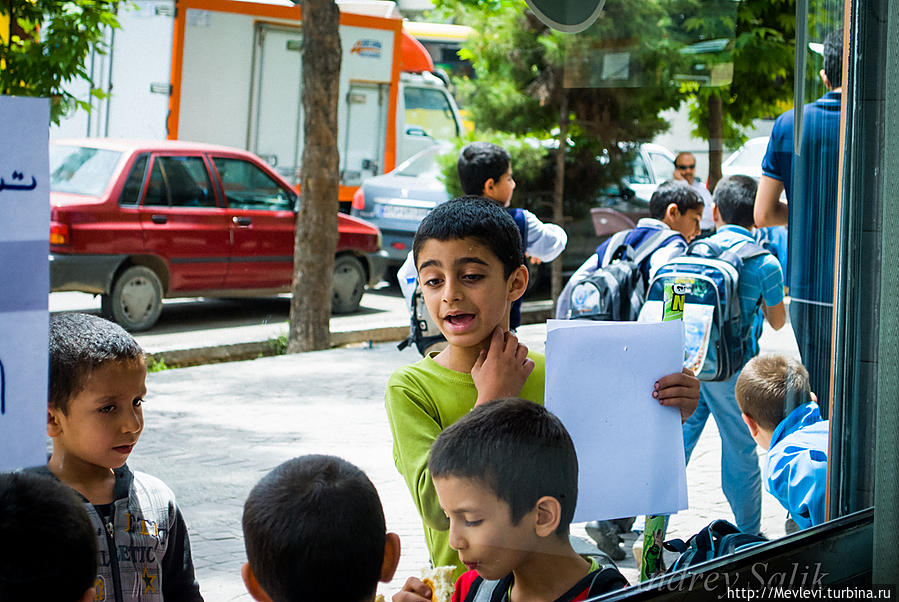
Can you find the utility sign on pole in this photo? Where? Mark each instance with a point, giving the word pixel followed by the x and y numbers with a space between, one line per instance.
pixel 24 272
pixel 570 16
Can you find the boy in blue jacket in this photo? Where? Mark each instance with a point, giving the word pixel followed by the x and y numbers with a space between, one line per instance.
pixel 795 471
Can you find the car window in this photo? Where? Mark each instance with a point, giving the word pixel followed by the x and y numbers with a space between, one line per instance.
pixel 131 190
pixel 422 164
pixel 663 166
pixel 430 110
pixel 81 170
pixel 248 187
pixel 637 172
pixel 179 182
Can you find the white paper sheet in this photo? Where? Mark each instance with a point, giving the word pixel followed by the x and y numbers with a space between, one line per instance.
pixel 24 231
pixel 599 382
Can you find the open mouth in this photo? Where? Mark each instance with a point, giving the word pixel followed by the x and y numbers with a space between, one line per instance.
pixel 124 449
pixel 459 320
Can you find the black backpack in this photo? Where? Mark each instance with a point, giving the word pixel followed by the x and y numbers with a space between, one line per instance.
pixel 617 289
pixel 719 538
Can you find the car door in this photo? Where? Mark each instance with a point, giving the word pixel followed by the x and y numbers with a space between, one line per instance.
pixel 182 223
pixel 262 221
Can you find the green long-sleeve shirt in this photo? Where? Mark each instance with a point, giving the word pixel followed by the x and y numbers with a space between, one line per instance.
pixel 422 399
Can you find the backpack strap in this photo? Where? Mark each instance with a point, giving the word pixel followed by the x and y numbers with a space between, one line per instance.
pixel 612 245
pixel 521 221
pixel 482 590
pixel 651 244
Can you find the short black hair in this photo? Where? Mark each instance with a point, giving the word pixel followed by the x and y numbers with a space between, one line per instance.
pixel 516 448
pixel 49 549
pixel 79 344
pixel 308 520
pixel 678 193
pixel 479 162
pixel 735 198
pixel 478 218
pixel 833 57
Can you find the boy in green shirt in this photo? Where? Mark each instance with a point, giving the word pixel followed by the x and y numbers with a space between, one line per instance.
pixel 470 263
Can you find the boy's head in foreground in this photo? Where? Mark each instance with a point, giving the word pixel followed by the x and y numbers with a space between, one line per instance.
pixel 470 262
pixel 767 385
pixel 734 201
pixel 49 549
pixel 314 530
pixel 97 385
pixel 679 206
pixel 506 476
pixel 485 169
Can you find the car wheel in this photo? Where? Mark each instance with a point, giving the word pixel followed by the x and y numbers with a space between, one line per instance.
pixel 348 284
pixel 136 299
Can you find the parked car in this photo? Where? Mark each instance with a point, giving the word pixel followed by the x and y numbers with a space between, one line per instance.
pixel 397 201
pixel 136 222
pixel 746 160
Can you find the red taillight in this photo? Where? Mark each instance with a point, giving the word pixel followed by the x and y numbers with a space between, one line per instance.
pixel 359 199
pixel 59 233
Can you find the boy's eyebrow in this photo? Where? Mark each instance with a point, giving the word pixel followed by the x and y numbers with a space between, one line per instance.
pixel 459 261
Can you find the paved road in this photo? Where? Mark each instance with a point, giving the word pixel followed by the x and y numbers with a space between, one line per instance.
pixel 212 431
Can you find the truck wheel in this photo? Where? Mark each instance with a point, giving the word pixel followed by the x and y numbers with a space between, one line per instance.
pixel 348 285
pixel 136 299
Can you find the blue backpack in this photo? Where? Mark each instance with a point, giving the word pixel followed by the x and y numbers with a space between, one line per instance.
pixel 717 539
pixel 712 310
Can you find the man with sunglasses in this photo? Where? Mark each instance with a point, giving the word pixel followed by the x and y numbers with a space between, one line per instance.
pixel 685 171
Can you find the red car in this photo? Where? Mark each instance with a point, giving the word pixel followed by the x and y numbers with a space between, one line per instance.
pixel 139 221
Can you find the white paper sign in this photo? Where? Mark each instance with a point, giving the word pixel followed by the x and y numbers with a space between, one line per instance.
pixel 599 382
pixel 24 274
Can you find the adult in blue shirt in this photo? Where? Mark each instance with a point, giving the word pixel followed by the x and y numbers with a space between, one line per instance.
pixel 760 286
pixel 810 182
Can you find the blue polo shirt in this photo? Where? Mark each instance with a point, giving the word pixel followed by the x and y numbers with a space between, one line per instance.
pixel 761 278
pixel 811 189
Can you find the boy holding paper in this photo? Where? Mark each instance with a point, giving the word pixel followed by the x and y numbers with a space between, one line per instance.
pixel 470 263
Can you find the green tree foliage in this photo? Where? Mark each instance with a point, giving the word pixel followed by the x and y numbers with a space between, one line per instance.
pixel 759 52
pixel 45 45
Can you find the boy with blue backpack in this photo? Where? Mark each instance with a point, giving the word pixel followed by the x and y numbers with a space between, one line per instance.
pixel 485 170
pixel 757 283
pixel 675 212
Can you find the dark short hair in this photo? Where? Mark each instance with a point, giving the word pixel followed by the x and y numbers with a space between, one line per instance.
pixel 79 344
pixel 49 549
pixel 768 385
pixel 673 192
pixel 479 162
pixel 478 218
pixel 833 57
pixel 516 448
pixel 735 198
pixel 314 530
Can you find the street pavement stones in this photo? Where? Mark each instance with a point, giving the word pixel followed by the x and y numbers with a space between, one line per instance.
pixel 212 431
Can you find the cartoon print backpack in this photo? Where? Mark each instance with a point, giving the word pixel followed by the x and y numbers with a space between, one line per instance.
pixel 712 313
pixel 423 332
pixel 717 539
pixel 617 289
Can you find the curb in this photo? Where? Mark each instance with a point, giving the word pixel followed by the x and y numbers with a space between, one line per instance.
pixel 532 312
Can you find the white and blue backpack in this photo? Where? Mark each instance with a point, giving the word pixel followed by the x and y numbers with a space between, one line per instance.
pixel 715 336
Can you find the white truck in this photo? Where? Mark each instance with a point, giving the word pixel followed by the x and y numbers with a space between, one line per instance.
pixel 230 72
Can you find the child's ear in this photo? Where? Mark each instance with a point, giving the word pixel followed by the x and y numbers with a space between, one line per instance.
pixel 53 426
pixel 488 187
pixel 672 212
pixel 391 557
pixel 716 215
pixel 549 514
pixel 751 424
pixel 518 282
pixel 249 580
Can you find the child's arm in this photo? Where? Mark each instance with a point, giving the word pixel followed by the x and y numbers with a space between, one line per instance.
pixel 178 580
pixel 680 390
pixel 545 241
pixel 502 369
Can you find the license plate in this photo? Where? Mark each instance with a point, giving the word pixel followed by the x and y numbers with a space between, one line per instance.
pixel 414 214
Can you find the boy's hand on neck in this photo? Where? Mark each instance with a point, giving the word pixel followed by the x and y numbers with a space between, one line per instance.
pixel 502 369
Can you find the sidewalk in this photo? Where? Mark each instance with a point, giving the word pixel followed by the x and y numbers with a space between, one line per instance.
pixel 212 431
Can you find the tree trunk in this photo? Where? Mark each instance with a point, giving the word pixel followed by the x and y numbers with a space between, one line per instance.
pixel 559 193
pixel 716 140
pixel 315 242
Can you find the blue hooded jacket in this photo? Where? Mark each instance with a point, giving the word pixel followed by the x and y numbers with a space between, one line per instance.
pixel 796 466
